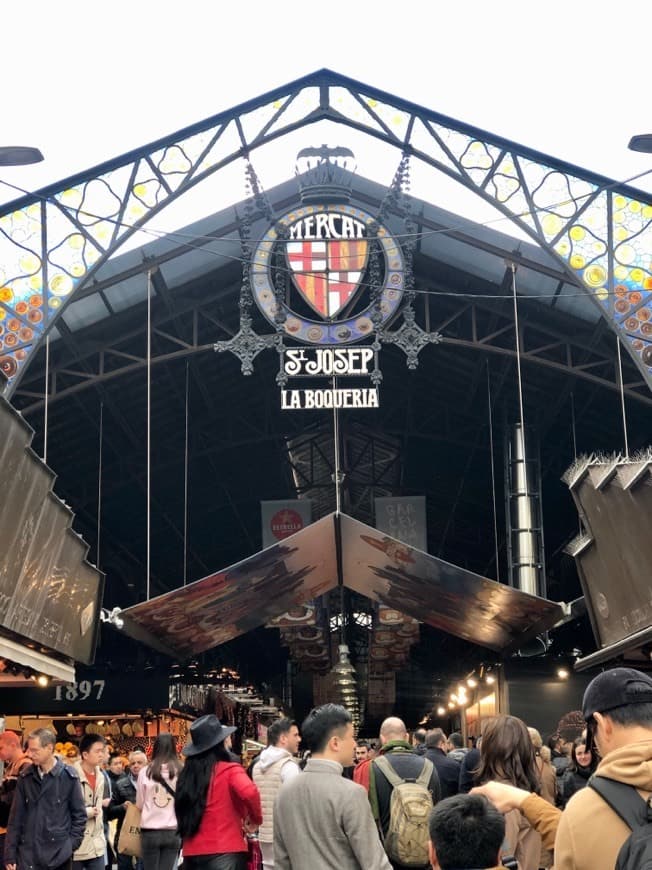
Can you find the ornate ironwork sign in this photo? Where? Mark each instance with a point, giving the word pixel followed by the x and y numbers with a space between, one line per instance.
pixel 330 362
pixel 326 275
pixel 325 249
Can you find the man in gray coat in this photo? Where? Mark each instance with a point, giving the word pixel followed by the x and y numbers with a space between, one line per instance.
pixel 322 819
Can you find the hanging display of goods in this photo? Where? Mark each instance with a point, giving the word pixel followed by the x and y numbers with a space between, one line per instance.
pixel 137 727
pixel 388 616
pixel 126 730
pixel 70 729
pixel 409 630
pixel 400 645
pixel 308 633
pixel 384 636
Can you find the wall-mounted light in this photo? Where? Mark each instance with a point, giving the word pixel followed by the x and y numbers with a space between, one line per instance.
pixel 42 680
pixel 112 617
pixel 450 705
pixel 562 673
pixel 471 682
pixel 490 679
pixel 440 711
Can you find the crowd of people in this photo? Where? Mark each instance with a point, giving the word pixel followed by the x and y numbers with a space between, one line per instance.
pixel 318 799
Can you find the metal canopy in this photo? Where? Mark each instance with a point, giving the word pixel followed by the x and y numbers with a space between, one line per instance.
pixel 338 550
pixel 242 448
pixel 52 244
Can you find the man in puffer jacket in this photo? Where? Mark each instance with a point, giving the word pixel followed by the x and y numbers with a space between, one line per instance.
pixel 274 766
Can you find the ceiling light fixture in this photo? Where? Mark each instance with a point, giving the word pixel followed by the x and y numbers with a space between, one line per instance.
pixel 19 155
pixel 643 143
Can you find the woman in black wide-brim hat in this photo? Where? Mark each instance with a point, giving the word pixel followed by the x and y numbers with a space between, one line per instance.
pixel 216 802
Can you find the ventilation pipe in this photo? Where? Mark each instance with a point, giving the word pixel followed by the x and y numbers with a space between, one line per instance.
pixel 525 550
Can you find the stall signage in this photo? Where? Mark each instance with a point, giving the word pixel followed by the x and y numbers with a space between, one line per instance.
pixel 307 362
pixel 309 400
pixel 328 362
pixel 93 693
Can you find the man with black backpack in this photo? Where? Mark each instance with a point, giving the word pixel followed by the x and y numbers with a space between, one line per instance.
pixel 403 788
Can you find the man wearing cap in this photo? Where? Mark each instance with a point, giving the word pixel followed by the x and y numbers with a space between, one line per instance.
pixel 11 753
pixel 617 707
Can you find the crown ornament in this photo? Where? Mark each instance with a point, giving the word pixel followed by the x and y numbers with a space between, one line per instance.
pixel 325 174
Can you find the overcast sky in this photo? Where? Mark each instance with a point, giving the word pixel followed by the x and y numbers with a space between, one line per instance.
pixel 87 81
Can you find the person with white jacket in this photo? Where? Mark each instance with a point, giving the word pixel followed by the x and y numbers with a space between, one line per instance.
pixel 274 766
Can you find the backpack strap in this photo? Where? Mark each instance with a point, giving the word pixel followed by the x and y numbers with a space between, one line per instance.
pixel 388 770
pixel 622 798
pixel 394 779
pixel 426 772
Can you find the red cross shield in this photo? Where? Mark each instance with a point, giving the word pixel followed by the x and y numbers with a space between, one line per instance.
pixel 327 273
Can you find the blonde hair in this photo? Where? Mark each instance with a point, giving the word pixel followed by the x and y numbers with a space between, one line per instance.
pixel 535 737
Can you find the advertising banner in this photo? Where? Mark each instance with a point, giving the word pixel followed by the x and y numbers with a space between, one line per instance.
pixel 280 519
pixel 403 518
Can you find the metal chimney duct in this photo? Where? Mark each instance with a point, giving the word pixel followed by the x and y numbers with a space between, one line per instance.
pixel 525 550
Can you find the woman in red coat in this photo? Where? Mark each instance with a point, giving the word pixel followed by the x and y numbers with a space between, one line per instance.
pixel 216 802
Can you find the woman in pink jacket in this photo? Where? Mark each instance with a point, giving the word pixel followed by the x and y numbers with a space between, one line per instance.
pixel 155 792
pixel 216 801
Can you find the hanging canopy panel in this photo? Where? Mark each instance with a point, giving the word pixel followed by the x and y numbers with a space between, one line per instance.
pixel 50 595
pixel 231 602
pixel 304 566
pixel 445 596
pixel 613 553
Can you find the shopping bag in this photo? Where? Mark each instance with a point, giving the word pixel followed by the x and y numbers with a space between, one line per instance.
pixel 129 840
pixel 254 856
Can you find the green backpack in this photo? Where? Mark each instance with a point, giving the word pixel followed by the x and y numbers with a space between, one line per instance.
pixel 406 840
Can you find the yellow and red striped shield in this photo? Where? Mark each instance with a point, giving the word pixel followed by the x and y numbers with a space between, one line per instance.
pixel 327 273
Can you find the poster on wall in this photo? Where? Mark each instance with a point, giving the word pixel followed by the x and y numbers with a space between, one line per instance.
pixel 280 519
pixel 403 518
